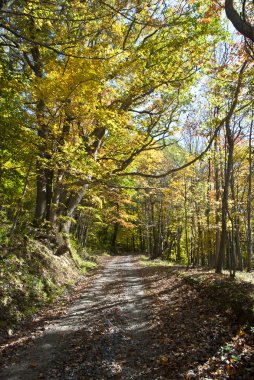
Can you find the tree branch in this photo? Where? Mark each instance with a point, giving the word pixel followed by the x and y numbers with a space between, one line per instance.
pixel 226 119
pixel 243 26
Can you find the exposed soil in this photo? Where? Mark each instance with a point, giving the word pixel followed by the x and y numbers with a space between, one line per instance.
pixel 132 322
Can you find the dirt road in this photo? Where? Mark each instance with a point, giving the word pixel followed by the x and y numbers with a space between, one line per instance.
pixel 134 322
pixel 104 334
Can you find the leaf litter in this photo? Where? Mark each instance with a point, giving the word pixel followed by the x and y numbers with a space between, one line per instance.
pixel 133 322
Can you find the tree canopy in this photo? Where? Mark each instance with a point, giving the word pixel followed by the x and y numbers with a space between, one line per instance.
pixel 114 120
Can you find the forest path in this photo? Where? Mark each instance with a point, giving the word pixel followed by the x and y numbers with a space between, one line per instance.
pixel 103 335
pixel 133 322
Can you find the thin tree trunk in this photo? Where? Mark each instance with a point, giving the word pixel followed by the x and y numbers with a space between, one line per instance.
pixel 217 192
pixel 249 202
pixel 41 180
pixel 178 246
pixel 186 224
pixel 113 247
pixel 18 213
pixel 228 173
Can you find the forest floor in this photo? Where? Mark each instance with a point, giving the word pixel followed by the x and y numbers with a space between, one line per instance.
pixel 135 321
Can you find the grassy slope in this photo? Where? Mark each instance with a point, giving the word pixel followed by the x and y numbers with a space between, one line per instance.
pixel 31 276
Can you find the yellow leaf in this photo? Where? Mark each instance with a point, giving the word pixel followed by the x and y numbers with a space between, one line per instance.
pixel 164 360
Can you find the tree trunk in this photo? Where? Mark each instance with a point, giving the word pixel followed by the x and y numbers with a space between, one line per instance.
pixel 228 173
pixel 113 246
pixel 41 180
pixel 249 201
pixel 186 223
pixel 178 245
pixel 19 209
pixel 240 23
pixel 217 190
